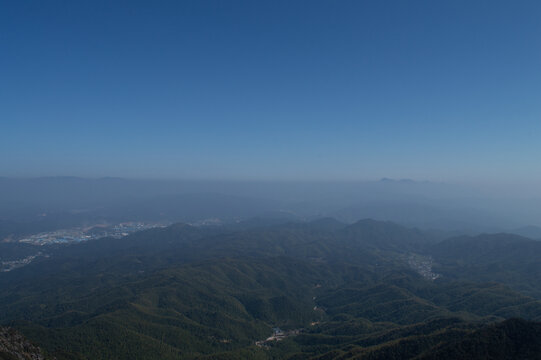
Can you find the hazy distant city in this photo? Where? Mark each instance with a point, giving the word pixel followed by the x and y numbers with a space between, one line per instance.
pixel 74 235
pixel 65 236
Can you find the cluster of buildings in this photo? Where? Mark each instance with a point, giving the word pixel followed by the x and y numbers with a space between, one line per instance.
pixel 6 266
pixel 74 235
pixel 277 335
pixel 423 266
pixel 84 234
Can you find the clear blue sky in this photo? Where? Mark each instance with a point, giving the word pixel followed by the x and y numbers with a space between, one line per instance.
pixel 442 90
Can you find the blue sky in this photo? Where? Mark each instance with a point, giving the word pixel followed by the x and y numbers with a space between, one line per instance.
pixel 437 90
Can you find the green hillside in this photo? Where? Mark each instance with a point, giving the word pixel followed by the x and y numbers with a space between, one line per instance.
pixel 216 293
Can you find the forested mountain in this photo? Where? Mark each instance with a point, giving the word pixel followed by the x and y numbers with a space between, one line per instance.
pixel 369 290
pixel 506 258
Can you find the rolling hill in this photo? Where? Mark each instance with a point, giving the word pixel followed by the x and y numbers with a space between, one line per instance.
pixel 336 290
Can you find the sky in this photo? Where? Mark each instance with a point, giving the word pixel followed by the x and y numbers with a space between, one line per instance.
pixel 272 90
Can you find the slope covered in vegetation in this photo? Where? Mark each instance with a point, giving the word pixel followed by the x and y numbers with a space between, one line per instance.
pixel 335 291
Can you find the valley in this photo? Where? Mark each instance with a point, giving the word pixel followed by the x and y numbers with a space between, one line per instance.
pixel 217 292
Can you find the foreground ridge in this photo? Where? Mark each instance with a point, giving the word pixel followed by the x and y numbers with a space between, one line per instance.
pixel 13 345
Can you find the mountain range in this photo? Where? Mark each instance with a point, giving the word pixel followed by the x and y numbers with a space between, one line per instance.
pixel 372 289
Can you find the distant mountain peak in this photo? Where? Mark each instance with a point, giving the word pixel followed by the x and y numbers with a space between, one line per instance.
pixel 402 181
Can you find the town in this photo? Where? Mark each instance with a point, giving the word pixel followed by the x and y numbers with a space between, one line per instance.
pixel 277 335
pixel 6 266
pixel 72 235
pixel 423 266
